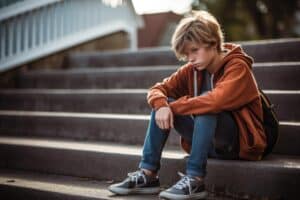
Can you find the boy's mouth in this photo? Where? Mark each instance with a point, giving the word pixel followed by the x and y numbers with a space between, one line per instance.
pixel 197 65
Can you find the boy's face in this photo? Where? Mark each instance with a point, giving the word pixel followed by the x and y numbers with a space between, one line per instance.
pixel 199 55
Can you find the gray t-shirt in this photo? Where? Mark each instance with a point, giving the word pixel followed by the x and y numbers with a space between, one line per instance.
pixel 206 83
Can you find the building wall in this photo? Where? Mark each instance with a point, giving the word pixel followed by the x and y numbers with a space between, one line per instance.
pixel 156 26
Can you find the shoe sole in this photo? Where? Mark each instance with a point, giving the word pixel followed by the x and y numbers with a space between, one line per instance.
pixel 166 195
pixel 123 191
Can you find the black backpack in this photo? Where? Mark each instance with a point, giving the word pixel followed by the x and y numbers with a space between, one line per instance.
pixel 270 123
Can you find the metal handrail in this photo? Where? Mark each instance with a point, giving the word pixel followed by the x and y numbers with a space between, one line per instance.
pixel 61 24
pixel 23 7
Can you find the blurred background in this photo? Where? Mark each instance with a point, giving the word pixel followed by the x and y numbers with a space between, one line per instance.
pixel 241 20
pixel 257 19
pixel 42 33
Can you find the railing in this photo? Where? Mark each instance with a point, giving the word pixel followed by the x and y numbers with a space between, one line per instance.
pixel 31 29
pixel 4 3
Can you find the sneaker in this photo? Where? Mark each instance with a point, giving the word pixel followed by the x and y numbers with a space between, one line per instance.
pixel 136 183
pixel 186 188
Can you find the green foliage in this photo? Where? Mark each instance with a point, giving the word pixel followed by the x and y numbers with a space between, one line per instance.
pixel 253 19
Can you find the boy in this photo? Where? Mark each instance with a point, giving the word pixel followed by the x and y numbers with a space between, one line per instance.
pixel 212 102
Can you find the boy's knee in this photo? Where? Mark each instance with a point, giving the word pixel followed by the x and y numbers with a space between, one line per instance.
pixel 205 117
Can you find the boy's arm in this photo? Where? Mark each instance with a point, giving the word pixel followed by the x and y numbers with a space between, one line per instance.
pixel 237 89
pixel 170 87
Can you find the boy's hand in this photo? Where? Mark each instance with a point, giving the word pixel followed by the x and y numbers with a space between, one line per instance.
pixel 164 118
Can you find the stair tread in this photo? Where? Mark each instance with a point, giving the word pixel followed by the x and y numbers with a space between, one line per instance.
pixel 106 91
pixel 95 115
pixel 65 185
pixel 137 68
pixel 86 188
pixel 93 146
pixel 78 91
pixel 273 160
pixel 259 50
pixel 119 128
pixel 283 75
pixel 113 101
pixel 74 114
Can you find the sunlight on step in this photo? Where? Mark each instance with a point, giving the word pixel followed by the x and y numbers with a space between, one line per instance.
pixel 281 91
pixel 292 165
pixel 85 146
pixel 54 187
pixel 275 64
pixel 73 91
pixel 289 123
pixel 75 115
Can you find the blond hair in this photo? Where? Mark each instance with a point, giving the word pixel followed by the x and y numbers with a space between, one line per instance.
pixel 201 28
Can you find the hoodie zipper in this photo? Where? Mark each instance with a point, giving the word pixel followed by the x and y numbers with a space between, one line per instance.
pixel 212 81
pixel 195 83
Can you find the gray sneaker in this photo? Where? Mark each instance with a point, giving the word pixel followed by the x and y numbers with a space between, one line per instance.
pixel 136 183
pixel 186 188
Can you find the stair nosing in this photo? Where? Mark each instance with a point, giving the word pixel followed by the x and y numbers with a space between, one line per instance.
pixel 107 91
pixel 103 147
pixel 87 69
pixel 73 91
pixel 74 115
pixel 96 115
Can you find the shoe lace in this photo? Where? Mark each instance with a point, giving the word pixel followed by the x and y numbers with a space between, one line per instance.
pixel 184 182
pixel 134 176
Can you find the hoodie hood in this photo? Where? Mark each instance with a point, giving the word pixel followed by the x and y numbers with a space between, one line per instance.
pixel 235 51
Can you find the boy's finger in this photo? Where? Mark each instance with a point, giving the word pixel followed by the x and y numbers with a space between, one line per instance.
pixel 166 124
pixel 171 120
pixel 161 124
pixel 158 123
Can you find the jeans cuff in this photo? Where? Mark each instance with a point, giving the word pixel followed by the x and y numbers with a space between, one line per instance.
pixel 191 172
pixel 147 166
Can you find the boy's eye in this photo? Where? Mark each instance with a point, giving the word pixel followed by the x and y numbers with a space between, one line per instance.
pixel 194 49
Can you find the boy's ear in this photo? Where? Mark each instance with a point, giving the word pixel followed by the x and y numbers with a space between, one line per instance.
pixel 214 46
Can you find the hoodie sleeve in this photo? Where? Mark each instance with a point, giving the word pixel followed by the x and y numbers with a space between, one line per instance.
pixel 236 88
pixel 172 86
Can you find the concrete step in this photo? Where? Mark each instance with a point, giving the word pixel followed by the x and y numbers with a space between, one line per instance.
pixel 281 76
pixel 127 101
pixel 262 51
pixel 16 184
pixel 286 104
pixel 129 77
pixel 119 128
pixel 126 129
pixel 278 76
pixel 276 177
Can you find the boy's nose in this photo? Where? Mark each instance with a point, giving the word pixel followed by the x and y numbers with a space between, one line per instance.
pixel 191 60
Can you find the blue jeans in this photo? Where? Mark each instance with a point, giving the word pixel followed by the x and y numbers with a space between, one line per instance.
pixel 201 132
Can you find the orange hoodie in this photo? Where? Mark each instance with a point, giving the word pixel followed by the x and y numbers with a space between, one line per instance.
pixel 234 89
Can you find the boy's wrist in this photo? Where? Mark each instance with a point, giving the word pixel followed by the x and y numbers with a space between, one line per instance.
pixel 157 104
